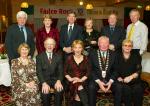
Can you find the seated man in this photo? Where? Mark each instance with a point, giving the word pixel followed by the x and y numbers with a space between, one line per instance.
pixel 102 75
pixel 50 73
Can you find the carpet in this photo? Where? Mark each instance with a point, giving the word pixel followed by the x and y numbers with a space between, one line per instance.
pixel 107 99
pixel 103 99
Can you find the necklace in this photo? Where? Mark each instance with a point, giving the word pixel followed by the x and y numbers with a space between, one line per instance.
pixel 24 61
pixel 103 65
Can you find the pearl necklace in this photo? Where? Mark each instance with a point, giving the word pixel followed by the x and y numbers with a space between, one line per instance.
pixel 103 65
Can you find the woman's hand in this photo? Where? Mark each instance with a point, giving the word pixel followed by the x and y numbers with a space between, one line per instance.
pixel 93 42
pixel 120 79
pixel 127 79
pixel 31 85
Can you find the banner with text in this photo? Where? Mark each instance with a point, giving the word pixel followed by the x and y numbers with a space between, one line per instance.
pixel 61 12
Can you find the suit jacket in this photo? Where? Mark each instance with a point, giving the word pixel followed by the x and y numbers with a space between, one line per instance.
pixel 49 72
pixel 116 37
pixel 76 34
pixel 96 71
pixel 14 38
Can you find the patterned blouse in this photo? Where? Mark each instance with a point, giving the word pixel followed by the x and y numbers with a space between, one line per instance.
pixel 22 74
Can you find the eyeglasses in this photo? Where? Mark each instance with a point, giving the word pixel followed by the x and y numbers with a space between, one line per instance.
pixel 127 45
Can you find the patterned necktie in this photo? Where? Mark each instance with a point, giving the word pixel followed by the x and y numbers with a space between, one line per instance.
pixel 50 58
pixel 130 34
pixel 111 30
pixel 21 29
pixel 69 31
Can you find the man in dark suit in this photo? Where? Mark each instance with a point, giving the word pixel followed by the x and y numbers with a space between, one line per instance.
pixel 116 34
pixel 102 76
pixel 50 73
pixel 70 32
pixel 18 34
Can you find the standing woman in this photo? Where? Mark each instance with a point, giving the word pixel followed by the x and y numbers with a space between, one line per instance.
pixel 128 69
pixel 90 35
pixel 46 31
pixel 24 80
pixel 77 72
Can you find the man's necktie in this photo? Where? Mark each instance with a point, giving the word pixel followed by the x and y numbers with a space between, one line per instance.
pixel 130 34
pixel 111 30
pixel 69 31
pixel 103 56
pixel 21 29
pixel 50 58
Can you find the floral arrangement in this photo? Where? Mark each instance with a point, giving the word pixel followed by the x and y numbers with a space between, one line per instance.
pixel 3 55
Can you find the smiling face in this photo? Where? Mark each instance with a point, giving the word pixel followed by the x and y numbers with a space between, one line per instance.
pixel 127 47
pixel 77 49
pixel 88 24
pixel 103 43
pixel 71 18
pixel 21 20
pixel 112 20
pixel 47 22
pixel 24 52
pixel 49 44
pixel 134 16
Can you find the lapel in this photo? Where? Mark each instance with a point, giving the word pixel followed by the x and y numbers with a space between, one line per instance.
pixel 45 57
pixel 18 33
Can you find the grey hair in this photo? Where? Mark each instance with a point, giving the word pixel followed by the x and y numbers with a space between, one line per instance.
pixel 21 13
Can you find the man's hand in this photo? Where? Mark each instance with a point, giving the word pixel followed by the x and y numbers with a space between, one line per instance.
pixel 67 49
pixel 112 47
pixel 108 85
pixel 58 86
pixel 45 88
pixel 102 86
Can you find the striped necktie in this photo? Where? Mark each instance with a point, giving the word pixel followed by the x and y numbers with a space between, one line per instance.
pixel 130 34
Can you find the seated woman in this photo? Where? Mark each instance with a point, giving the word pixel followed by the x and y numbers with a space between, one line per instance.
pixel 128 69
pixel 24 79
pixel 76 72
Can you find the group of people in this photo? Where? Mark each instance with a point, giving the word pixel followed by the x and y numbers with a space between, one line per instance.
pixel 89 61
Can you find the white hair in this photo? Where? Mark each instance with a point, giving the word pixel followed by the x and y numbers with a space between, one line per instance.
pixel 21 14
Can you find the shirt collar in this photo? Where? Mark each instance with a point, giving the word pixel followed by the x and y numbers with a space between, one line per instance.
pixel 137 23
pixel 71 25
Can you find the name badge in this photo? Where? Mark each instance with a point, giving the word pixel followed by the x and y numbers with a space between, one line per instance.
pixel 103 74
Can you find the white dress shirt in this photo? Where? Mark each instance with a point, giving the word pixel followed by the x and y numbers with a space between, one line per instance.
pixel 69 26
pixel 139 37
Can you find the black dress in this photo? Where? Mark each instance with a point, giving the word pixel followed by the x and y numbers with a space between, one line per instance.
pixel 88 37
pixel 131 92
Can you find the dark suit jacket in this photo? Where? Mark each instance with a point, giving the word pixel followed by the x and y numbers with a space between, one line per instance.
pixel 14 38
pixel 76 34
pixel 47 72
pixel 96 71
pixel 116 37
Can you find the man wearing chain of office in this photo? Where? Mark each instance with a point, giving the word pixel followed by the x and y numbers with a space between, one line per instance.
pixel 102 75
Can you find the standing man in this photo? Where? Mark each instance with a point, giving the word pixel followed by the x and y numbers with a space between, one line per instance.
pixel 50 73
pixel 70 32
pixel 102 76
pixel 115 33
pixel 137 32
pixel 18 34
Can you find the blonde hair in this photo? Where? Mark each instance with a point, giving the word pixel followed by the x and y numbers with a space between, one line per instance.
pixel 135 10
pixel 103 37
pixel 47 16
pixel 23 45
pixel 75 42
pixel 127 41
